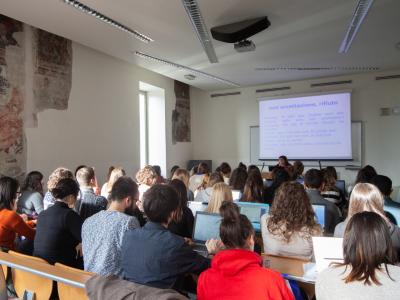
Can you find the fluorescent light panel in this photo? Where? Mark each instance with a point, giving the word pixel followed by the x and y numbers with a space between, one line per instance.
pixel 359 15
pixel 317 69
pixel 90 11
pixel 181 67
pixel 194 14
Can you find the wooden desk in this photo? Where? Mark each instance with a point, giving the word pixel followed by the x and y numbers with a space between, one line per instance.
pixel 44 270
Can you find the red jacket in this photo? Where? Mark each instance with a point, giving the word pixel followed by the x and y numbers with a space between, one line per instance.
pixel 238 274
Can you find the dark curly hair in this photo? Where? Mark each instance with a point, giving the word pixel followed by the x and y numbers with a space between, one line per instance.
pixel 292 212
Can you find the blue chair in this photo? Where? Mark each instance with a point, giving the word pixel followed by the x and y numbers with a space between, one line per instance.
pixel 394 212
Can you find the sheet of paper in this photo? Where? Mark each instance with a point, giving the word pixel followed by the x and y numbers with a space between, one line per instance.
pixel 326 251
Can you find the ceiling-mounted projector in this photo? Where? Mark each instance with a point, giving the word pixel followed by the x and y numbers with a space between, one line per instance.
pixel 239 32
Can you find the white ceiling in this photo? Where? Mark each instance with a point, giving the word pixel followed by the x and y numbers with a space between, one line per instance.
pixel 304 33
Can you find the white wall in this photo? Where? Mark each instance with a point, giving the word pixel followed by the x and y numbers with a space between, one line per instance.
pixel 101 125
pixel 221 125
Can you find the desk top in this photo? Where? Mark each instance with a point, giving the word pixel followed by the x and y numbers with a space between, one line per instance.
pixel 44 270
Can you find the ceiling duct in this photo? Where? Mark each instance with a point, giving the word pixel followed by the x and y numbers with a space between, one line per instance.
pixel 282 88
pixel 225 94
pixel 387 77
pixel 361 11
pixel 239 32
pixel 197 21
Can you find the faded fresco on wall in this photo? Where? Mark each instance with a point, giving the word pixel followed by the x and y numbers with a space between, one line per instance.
pixel 181 131
pixel 12 87
pixel 51 65
pixel 52 68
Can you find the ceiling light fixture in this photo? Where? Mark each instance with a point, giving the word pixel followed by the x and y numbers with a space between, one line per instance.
pixel 194 14
pixel 317 69
pixel 90 11
pixel 181 67
pixel 359 15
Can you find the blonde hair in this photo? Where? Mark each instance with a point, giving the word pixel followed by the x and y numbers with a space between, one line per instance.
pixel 221 192
pixel 366 197
pixel 146 176
pixel 183 175
pixel 57 175
pixel 116 173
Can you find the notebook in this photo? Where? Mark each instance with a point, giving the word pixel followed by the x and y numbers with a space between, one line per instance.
pixel 326 251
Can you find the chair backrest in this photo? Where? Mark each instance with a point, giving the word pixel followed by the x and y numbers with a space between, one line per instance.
pixel 394 212
pixel 3 285
pixel 26 281
pixel 285 265
pixel 66 291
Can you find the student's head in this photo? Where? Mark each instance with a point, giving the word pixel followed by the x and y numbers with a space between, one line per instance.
pixel 225 169
pixel 298 169
pixel 172 171
pixel 367 248
pixel 221 192
pixel 182 175
pixel 313 179
pixel 366 197
pixel 242 166
pixel 254 187
pixel 238 179
pixel 8 193
pixel 125 192
pixel 283 161
pixel 33 182
pixel 291 211
pixel 214 179
pixel 235 230
pixel 146 176
pixel 366 174
pixel 110 169
pixel 180 188
pixel 78 168
pixel 203 168
pixel 279 176
pixel 252 168
pixel 116 173
pixel 57 175
pixel 85 176
pixel 383 183
pixel 67 191
pixel 160 203
pixel 329 178
pixel 157 169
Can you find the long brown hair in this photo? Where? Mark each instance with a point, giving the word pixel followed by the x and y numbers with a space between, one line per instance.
pixel 366 197
pixel 292 212
pixel 367 246
pixel 253 188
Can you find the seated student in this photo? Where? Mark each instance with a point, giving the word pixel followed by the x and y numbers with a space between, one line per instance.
pixel 116 173
pixel 103 232
pixel 11 223
pixel 160 179
pixel 88 202
pixel 154 256
pixel 329 190
pixel 283 163
pixel 313 182
pixel 172 172
pixel 183 226
pixel 146 178
pixel 237 182
pixel 279 176
pixel 364 175
pixel 288 228
pixel 254 187
pixel 197 178
pixel 298 169
pixel 204 194
pixel 225 170
pixel 384 184
pixel 237 272
pixel 367 197
pixel 221 192
pixel 54 178
pixel 368 270
pixel 58 230
pixel 183 175
pixel 31 200
pixel 104 188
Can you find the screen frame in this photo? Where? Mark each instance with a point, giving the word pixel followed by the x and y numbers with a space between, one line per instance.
pixel 318 93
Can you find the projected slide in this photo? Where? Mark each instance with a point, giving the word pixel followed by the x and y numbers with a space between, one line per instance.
pixel 312 127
